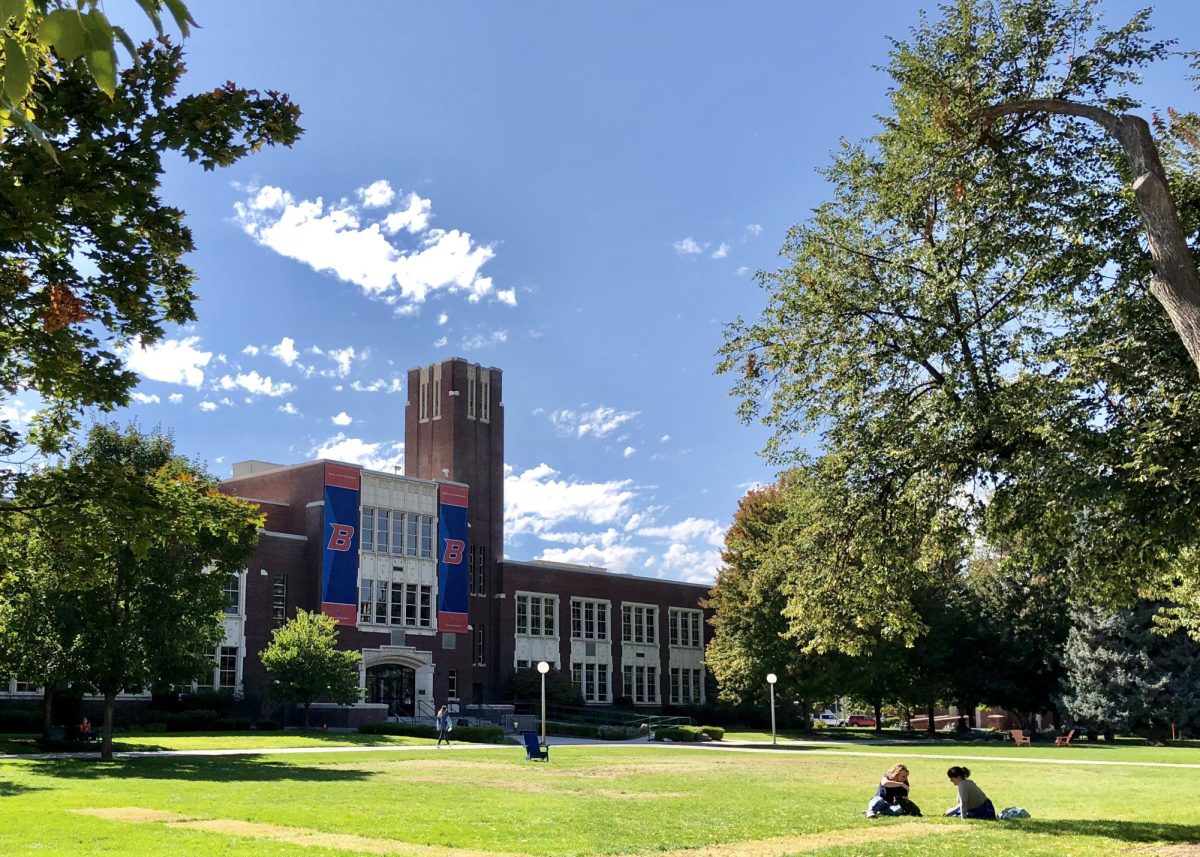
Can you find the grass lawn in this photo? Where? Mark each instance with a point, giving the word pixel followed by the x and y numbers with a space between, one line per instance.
pixel 125 742
pixel 632 799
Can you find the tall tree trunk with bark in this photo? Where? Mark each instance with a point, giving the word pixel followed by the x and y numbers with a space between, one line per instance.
pixel 110 705
pixel 1176 281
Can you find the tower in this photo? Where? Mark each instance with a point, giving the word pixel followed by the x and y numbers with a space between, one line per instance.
pixel 454 431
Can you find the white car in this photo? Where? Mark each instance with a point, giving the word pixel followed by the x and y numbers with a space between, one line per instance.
pixel 829 719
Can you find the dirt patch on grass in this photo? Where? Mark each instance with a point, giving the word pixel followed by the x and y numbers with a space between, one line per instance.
pixel 1183 849
pixel 780 845
pixel 278 833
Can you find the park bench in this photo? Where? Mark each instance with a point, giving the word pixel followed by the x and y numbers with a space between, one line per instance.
pixel 534 749
pixel 1064 740
pixel 1020 739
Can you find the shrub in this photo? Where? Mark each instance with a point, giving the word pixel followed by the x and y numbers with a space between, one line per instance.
pixel 201 720
pixel 267 726
pixel 20 720
pixel 233 724
pixel 603 731
pixel 689 734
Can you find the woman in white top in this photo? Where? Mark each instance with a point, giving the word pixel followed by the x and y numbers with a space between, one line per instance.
pixel 972 802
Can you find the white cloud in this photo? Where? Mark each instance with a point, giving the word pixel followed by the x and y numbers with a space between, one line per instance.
pixel 440 342
pixel 175 398
pixel 471 343
pixel 688 247
pixel 537 500
pixel 721 252
pixel 17 414
pixel 507 296
pixel 629 451
pixel 379 384
pixel 754 229
pixel 688 530
pixel 254 383
pixel 617 558
pixel 346 240
pixel 742 271
pixel 414 218
pixel 598 422
pixel 289 408
pixel 664 438
pixel 208 406
pixel 442 318
pixel 342 419
pixel 377 194
pixel 285 351
pixel 144 399
pixel 252 350
pixel 374 456
pixel 172 361
pixel 692 566
pixel 344 358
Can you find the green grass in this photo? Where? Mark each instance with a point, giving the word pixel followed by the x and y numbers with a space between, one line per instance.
pixel 586 800
pixel 125 742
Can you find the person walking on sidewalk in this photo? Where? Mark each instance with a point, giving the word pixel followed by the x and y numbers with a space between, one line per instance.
pixel 443 726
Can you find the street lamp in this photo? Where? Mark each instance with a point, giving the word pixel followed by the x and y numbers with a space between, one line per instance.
pixel 771 679
pixel 543 668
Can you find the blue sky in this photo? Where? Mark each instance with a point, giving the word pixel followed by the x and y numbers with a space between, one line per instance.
pixel 575 193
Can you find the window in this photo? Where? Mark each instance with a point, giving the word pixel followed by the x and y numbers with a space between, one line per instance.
pixel 535 615
pixel 381 602
pixel 366 532
pixel 485 396
pixel 423 397
pixel 233 593
pixel 685 628
pixel 414 530
pixel 227 659
pixel 638 623
pixel 475 579
pixel 589 619
pixel 207 679
pixel 426 535
pixel 641 684
pixel 452 684
pixel 592 681
pixel 398 532
pixel 470 392
pixel 479 651
pixel 383 519
pixel 686 686
pixel 426 617
pixel 437 392
pixel 397 603
pixel 25 687
pixel 366 597
pixel 279 598
pixel 480 569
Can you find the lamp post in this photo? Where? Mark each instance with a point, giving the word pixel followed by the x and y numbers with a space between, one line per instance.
pixel 771 679
pixel 543 668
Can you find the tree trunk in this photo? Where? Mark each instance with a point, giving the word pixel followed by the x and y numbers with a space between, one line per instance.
pixel 110 705
pixel 1176 280
pixel 47 710
pixel 878 716
pixel 931 726
pixel 307 703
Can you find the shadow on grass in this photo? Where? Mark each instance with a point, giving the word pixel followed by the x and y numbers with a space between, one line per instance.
pixel 14 789
pixel 1123 831
pixel 194 768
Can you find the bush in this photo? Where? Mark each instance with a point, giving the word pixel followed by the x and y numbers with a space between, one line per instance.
pixel 465 734
pixel 267 726
pixel 689 734
pixel 201 720
pixel 603 731
pixel 20 720
pixel 233 724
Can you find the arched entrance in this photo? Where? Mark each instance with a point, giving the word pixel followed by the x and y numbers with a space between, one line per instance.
pixel 393 685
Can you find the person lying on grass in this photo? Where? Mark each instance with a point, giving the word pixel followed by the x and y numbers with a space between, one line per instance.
pixel 972 802
pixel 892 796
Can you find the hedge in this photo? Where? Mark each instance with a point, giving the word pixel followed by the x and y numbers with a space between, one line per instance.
pixel 465 734
pixel 602 731
pixel 689 734
pixel 20 720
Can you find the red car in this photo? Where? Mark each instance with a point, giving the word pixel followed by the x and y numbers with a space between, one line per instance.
pixel 860 720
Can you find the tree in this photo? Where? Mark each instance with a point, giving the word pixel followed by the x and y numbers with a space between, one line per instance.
pixel 968 320
pixel 39 36
pixel 1120 674
pixel 64 325
pixel 134 543
pixel 305 662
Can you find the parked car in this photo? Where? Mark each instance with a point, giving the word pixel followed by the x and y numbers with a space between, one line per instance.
pixel 829 719
pixel 860 720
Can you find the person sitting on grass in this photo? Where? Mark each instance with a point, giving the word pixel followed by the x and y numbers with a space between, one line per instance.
pixel 972 802
pixel 892 796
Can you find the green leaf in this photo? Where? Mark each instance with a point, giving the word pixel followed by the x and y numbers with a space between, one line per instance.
pixel 152 8
pixel 12 9
pixel 63 30
pixel 17 77
pixel 127 43
pixel 183 18
pixel 101 57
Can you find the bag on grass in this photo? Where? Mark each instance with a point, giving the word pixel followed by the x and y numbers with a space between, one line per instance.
pixel 1014 812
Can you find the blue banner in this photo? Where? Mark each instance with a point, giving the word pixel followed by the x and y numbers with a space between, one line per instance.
pixel 339 551
pixel 452 559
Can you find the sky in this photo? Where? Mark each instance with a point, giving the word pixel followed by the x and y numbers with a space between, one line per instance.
pixel 576 193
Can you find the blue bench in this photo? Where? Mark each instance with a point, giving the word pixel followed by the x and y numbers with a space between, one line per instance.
pixel 534 749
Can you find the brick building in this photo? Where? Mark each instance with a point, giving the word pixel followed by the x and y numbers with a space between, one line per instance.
pixel 371 549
